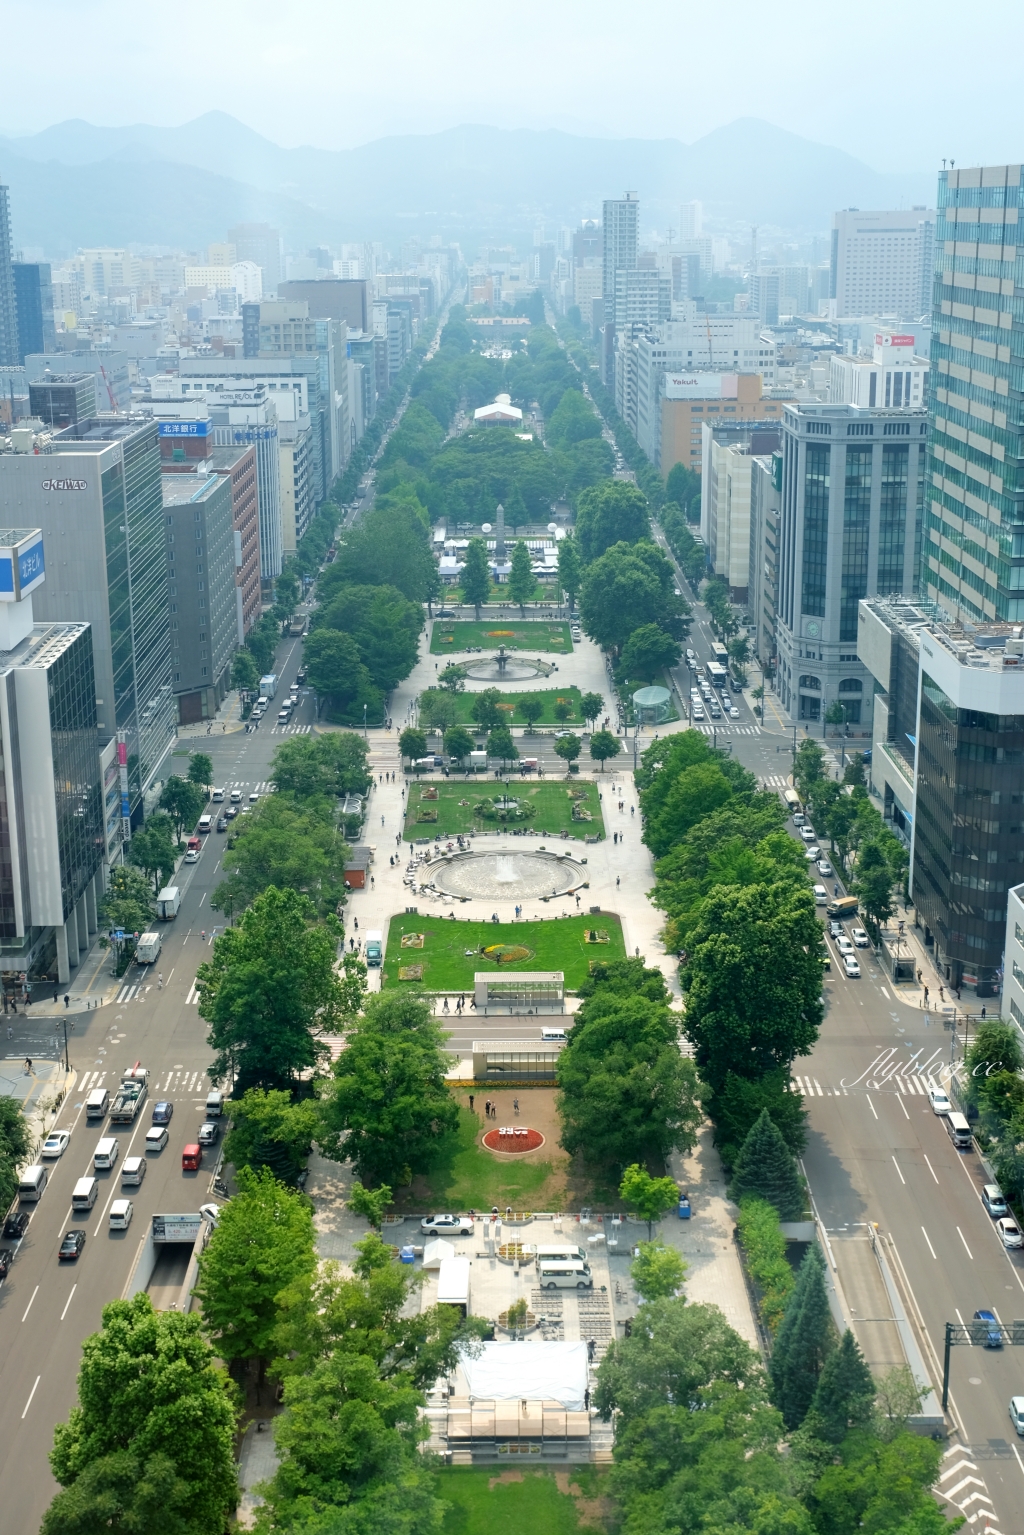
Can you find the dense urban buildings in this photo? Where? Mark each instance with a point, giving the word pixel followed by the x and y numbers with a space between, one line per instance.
pixel 199 530
pixel 882 262
pixel 10 355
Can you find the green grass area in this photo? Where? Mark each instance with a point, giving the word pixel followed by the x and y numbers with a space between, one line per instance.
pixel 466 1177
pixel 511 713
pixel 450 635
pixel 552 801
pixel 451 950
pixel 486 1499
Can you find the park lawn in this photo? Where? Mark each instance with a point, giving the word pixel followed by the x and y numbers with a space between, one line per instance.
pixel 554 807
pixel 557 943
pixel 450 635
pixel 463 1176
pixel 483 1500
pixel 548 696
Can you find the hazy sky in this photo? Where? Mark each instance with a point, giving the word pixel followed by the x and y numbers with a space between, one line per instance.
pixel 899 83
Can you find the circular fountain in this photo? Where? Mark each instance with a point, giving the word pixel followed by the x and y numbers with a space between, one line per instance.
pixel 507 876
pixel 503 668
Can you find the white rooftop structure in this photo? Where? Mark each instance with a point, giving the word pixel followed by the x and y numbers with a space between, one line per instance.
pixel 501 413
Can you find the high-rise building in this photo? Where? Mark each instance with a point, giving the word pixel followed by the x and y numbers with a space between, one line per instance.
pixel 974 549
pixel 94 491
pixel 852 512
pixel 33 298
pixel 892 375
pixel 297 503
pixel 63 399
pixel 108 367
pixel 765 513
pixel 261 244
pixel 200 537
pixel 881 262
pixel 691 220
pixel 239 464
pixel 10 352
pixel 347 299
pixel 620 238
pixel 729 449
pixel 947 747
pixel 51 814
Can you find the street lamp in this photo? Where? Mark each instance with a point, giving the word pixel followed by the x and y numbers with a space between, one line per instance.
pixel 364 721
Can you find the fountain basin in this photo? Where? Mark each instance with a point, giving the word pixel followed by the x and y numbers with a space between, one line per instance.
pixel 507 876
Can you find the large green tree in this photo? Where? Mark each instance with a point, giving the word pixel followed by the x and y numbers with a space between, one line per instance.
pixel 522 583
pixel 501 745
pixel 458 743
pixel 245 675
pixel 649 652
pixel 289 843
pixel 384 624
pixel 805 1338
pixel 674 1350
pixel 753 980
pixel 334 667
pixel 389 547
pixel 610 513
pixel 269 1130
pixel 873 884
pixel 183 801
pixel 331 764
pixel 766 1169
pixel 476 574
pixel 649 1197
pixel 604 746
pixel 15 1146
pixel 484 708
pixel 844 1396
pixel 627 586
pixel 270 991
pixel 152 849
pixel 149 1390
pixel 569 570
pixel 388 1107
pixel 626 1094
pixel 128 903
pixel 263 1242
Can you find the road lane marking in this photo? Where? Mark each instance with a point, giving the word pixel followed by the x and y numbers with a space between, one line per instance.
pixel 885 994
pixel 31 1394
pixel 903 1106
pixel 871 1106
pixel 67 1303
pixel 931 1249
pixel 964 1241
pixel 28 1308
pixel 931 1169
pixel 1019 1461
pixel 897 1167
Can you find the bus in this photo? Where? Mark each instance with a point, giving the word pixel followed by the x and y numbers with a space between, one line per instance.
pixel 718 675
pixel 720 653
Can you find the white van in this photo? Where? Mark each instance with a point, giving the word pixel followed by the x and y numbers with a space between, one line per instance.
pixel 156 1138
pixel 97 1103
pixel 83 1195
pixel 31 1185
pixel 554 1252
pixel 133 1170
pixel 217 796
pixel 820 895
pixel 214 1103
pixel 105 1155
pixel 205 824
pixel 558 1274
pixel 558 1034
pixel 959 1131
pixel 121 1213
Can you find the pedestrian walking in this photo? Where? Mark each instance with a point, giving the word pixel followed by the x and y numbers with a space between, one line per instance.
pixel 28 1065
pixel 446 1008
pixel 10 1032
pixel 55 994
pixel 487 1108
pixel 382 820
pixel 471 1103
pixel 515 1105
pixel 577 903
pixel 632 810
pixel 67 1000
pixel 371 881
pixel 637 951
pixel 926 996
pixel 355 923
pixel 984 1014
pixel 617 877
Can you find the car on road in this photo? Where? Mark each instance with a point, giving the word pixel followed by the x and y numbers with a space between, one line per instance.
pixel 851 967
pixel 994 1200
pixel 222 823
pixel 300 675
pixel 71 1247
pixel 824 868
pixel 813 853
pixel 698 712
pixel 860 938
pixel 993 1337
pixel 253 797
pixel 844 945
pixel 691 656
pixel 6 1258
pixel 807 832
pixel 445 613
pixel 939 1100
pixel 734 713
pixel 55 1144
pixel 192 855
pixel 156 1138
pixel 236 796
pixel 208 1133
pixel 561 735
pixel 1017 1414
pixel 1010 1232
pixel 231 812
pixel 16 1225
pixel 163 1112
pixel 211 1212
pixel 447 1225
pixel 835 929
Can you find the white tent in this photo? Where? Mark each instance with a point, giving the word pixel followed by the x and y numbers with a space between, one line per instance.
pixel 535 1372
pixel 435 1252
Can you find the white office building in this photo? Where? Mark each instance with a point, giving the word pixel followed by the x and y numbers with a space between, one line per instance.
pixel 882 262
pixel 893 376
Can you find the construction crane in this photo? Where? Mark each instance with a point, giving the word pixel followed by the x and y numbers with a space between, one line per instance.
pixel 110 393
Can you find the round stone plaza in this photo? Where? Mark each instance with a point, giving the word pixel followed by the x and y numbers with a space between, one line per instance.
pixel 508 876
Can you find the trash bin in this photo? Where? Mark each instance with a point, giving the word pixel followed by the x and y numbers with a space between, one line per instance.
pixel 407 1255
pixel 684 1207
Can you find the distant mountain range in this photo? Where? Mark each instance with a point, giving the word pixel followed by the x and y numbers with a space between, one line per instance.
pixel 76 184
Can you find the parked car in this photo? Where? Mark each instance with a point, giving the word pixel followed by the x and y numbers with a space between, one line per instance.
pixel 16 1225
pixel 447 1225
pixel 192 855
pixel 939 1100
pixel 55 1144
pixel 994 1200
pixel 813 853
pixel 851 967
pixel 860 938
pixel 1010 1232
pixel 6 1257
pixel 71 1247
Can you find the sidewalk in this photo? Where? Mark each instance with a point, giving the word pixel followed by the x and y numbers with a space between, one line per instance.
pixel 226 721
pixel 91 986
pixel 36 1093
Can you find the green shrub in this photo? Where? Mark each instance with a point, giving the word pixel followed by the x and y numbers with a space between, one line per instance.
pixel 764 1248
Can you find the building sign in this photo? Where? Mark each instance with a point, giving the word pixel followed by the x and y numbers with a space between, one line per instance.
pixel 886 338
pixel 184 429
pixel 701 386
pixel 177 1228
pixel 122 767
pixel 22 567
pixel 65 484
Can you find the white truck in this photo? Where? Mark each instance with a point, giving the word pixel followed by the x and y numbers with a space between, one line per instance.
pixel 130 1095
pixel 374 947
pixel 168 903
pixel 147 950
pixel 268 685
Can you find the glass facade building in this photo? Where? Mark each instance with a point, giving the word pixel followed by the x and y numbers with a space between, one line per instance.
pixel 973 556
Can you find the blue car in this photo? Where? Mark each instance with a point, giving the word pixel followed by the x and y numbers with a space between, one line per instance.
pixel 162 1112
pixel 993 1331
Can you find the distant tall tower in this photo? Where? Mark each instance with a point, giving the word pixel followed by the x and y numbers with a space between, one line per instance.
pixel 9 353
pixel 691 221
pixel 499 536
pixel 621 238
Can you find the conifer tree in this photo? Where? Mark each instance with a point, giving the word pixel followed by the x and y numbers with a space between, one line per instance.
pixel 803 1342
pixel 845 1394
pixel 766 1169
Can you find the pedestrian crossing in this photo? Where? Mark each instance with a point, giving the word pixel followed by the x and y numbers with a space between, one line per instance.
pixel 909 1085
pixel 291 730
pixel 265 786
pixel 774 781
pixel 129 993
pixel 728 730
pixel 193 997
pixel 178 1079
pixel 966 1491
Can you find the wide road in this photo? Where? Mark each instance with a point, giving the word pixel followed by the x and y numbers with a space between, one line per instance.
pixel 47 1308
pixel 877 1153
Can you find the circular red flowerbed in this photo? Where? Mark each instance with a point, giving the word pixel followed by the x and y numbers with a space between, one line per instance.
pixel 513 1139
